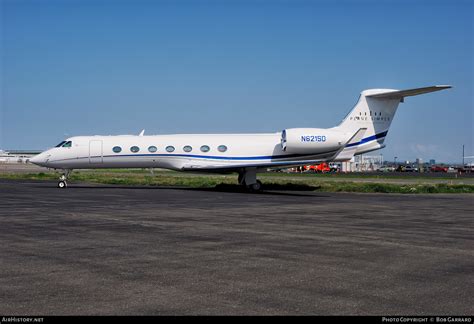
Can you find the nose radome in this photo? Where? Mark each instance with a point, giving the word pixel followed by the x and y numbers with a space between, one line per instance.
pixel 36 159
pixel 40 159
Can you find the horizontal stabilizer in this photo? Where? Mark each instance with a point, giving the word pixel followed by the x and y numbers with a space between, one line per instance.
pixel 348 151
pixel 400 94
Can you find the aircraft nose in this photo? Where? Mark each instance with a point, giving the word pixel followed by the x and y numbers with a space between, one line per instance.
pixel 40 159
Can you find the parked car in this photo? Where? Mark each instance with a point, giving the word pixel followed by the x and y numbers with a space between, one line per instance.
pixel 406 168
pixel 466 169
pixel 438 168
pixel 386 169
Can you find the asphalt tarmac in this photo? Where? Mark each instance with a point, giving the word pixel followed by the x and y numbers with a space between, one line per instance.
pixel 110 250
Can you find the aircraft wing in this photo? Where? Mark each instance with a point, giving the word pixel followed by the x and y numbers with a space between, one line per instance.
pixel 240 167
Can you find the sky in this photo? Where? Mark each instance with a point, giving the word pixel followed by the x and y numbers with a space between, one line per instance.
pixel 83 67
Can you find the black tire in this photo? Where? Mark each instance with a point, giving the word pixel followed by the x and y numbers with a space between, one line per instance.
pixel 62 184
pixel 255 187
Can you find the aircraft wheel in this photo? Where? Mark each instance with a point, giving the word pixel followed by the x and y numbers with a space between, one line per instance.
pixel 257 186
pixel 62 184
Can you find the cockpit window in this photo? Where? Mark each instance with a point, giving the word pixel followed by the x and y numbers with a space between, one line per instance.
pixel 60 144
pixel 67 144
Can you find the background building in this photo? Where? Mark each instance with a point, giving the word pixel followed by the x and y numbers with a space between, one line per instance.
pixel 361 163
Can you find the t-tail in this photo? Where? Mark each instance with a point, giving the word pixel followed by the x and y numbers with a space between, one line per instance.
pixel 374 111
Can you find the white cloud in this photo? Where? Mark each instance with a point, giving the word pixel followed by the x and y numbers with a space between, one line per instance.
pixel 425 151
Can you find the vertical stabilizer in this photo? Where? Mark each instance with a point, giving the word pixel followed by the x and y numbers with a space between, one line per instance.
pixel 375 111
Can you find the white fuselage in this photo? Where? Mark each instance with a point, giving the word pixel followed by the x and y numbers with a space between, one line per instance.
pixel 226 152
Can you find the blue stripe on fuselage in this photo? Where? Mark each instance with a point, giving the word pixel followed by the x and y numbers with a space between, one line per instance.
pixel 368 139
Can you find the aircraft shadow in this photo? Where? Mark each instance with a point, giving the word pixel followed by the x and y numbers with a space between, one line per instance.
pixel 296 190
pixel 282 190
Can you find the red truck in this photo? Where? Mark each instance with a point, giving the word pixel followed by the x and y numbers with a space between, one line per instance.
pixel 319 168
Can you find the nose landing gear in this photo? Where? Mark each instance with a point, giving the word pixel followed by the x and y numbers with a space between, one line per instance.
pixel 63 179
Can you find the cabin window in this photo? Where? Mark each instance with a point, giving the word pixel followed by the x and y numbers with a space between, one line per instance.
pixel 67 144
pixel 187 148
pixel 222 148
pixel 205 148
pixel 152 149
pixel 134 149
pixel 60 144
pixel 117 149
pixel 170 149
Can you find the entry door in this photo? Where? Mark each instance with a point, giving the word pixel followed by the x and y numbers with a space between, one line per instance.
pixel 95 152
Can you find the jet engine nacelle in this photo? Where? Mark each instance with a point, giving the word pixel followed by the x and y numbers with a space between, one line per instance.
pixel 311 140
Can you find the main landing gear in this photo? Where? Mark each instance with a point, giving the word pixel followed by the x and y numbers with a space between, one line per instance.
pixel 63 179
pixel 248 178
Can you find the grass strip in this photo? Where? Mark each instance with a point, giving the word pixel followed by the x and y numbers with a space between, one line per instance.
pixel 216 181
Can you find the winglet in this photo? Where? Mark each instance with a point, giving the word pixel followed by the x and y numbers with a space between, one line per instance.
pixel 349 149
pixel 141 133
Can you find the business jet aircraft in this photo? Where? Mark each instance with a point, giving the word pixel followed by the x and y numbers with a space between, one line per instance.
pixel 363 130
